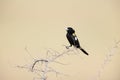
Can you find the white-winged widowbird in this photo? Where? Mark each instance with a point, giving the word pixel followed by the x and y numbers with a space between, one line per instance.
pixel 73 40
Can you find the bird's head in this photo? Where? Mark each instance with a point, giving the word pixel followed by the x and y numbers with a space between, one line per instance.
pixel 70 30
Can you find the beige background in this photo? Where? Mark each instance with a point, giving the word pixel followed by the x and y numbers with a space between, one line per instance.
pixel 40 24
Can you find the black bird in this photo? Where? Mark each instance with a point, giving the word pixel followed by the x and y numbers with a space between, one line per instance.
pixel 73 40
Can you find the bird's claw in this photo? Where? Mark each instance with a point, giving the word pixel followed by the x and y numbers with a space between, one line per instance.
pixel 67 47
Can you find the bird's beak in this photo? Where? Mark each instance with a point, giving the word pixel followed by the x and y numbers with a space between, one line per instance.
pixel 66 29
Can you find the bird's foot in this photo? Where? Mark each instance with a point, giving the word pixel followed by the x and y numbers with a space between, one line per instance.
pixel 67 47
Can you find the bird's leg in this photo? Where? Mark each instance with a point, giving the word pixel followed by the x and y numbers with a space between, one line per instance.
pixel 67 47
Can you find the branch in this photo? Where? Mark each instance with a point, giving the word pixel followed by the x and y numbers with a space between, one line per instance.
pixel 107 59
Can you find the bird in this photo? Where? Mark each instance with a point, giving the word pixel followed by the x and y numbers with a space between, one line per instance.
pixel 73 40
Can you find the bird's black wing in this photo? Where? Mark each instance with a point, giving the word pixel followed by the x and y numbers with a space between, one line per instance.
pixel 70 39
pixel 75 40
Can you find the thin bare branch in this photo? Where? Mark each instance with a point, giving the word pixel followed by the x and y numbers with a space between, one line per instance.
pixel 107 59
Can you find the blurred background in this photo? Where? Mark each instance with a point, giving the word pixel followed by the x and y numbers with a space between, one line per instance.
pixel 40 24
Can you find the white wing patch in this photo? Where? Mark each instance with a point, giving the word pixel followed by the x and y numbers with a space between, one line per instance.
pixel 76 38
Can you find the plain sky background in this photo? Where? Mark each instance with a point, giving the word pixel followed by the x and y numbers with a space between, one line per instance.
pixel 40 24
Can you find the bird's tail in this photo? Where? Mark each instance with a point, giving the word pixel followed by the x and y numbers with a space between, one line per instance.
pixel 84 51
